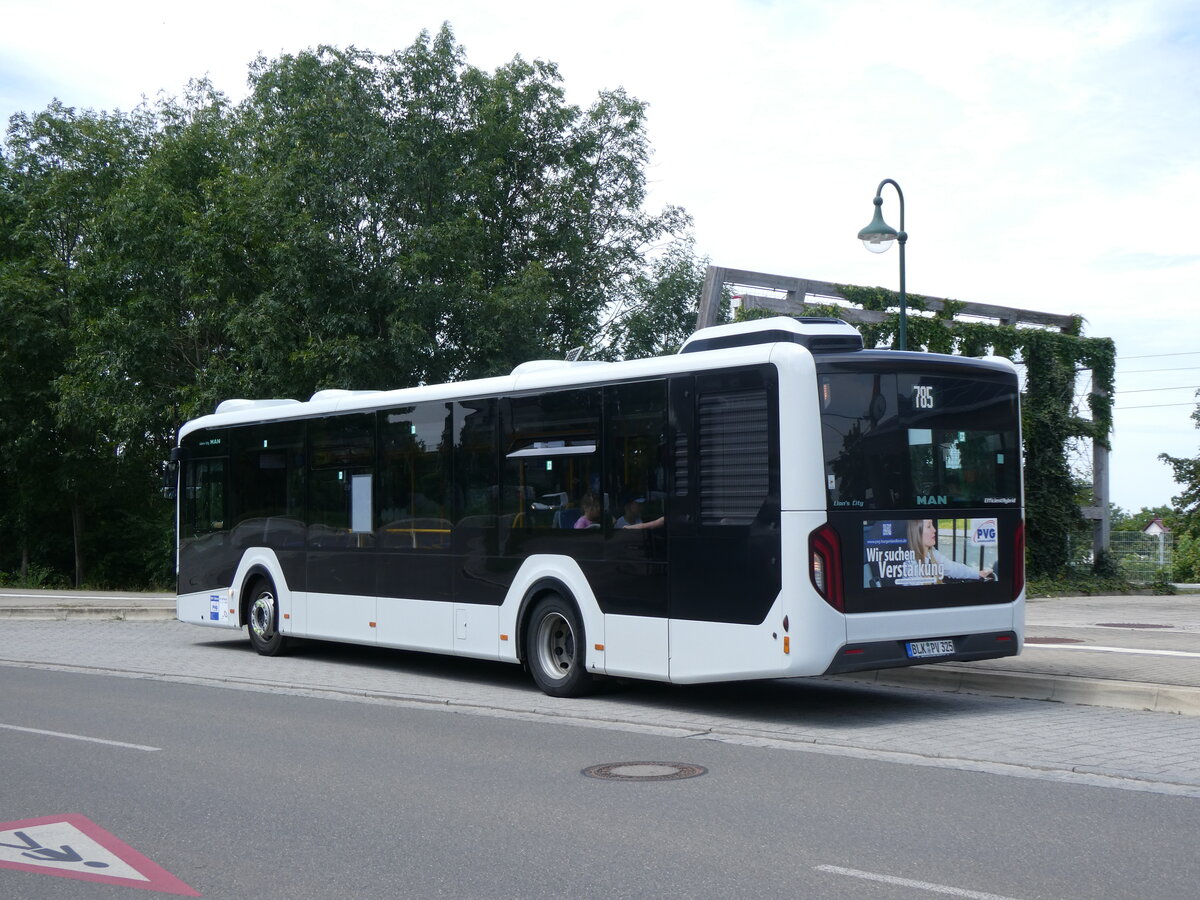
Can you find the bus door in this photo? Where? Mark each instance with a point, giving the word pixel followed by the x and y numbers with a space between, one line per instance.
pixel 341 538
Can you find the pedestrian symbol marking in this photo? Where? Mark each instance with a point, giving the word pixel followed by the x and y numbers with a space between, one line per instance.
pixel 73 846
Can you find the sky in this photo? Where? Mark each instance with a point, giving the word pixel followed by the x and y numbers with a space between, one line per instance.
pixel 1048 151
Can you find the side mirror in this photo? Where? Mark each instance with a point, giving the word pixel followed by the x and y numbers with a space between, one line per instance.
pixel 170 479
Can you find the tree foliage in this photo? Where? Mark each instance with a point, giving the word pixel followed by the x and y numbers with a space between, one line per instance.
pixel 1187 474
pixel 61 169
pixel 358 221
pixel 1186 520
pixel 656 309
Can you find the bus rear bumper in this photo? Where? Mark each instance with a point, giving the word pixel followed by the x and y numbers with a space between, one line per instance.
pixel 863 657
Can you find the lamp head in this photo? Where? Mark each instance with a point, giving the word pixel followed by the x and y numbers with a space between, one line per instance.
pixel 879 235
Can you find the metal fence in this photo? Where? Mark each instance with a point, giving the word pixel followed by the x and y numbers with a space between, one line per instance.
pixel 1139 557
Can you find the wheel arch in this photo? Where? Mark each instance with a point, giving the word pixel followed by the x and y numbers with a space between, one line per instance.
pixel 252 576
pixel 259 562
pixel 541 587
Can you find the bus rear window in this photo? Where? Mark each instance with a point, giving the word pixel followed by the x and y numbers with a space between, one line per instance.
pixel 912 439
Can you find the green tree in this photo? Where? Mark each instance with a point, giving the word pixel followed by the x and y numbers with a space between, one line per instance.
pixel 29 354
pixel 1187 474
pixel 1186 519
pixel 1186 569
pixel 1120 520
pixel 358 221
pixel 61 168
pixel 428 221
pixel 657 309
pixel 163 272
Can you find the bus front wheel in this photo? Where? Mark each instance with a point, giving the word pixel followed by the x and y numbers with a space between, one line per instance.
pixel 555 648
pixel 262 620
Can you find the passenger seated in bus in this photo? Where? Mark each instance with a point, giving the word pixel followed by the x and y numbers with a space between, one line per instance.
pixel 632 520
pixel 592 511
pixel 633 513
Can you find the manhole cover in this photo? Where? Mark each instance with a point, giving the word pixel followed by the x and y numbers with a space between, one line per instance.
pixel 644 771
pixel 1040 640
pixel 1129 625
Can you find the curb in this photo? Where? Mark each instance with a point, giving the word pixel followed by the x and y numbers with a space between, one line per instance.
pixel 109 613
pixel 1178 699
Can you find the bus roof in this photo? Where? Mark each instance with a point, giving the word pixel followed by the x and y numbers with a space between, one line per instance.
pixel 743 343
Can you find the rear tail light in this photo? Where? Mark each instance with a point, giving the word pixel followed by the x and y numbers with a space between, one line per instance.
pixel 825 552
pixel 1019 560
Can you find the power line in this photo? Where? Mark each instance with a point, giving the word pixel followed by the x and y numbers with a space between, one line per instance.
pixel 1154 406
pixel 1182 387
pixel 1157 355
pixel 1177 369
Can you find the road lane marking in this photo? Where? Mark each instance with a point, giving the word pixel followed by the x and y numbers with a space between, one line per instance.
pixel 1131 650
pixel 909 883
pixel 79 737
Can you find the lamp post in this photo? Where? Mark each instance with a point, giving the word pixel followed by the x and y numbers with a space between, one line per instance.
pixel 878 237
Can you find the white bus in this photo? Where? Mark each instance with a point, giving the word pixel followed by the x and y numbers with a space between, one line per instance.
pixel 773 501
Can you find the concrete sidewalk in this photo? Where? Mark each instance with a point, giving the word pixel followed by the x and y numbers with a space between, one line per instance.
pixel 1125 652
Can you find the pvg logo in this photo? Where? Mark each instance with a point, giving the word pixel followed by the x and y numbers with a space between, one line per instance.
pixel 984 532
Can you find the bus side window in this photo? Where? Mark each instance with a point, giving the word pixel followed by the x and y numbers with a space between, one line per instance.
pixel 552 462
pixel 267 487
pixel 476 480
pixel 415 497
pixel 636 423
pixel 341 475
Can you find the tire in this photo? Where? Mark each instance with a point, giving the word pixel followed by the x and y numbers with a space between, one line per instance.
pixel 262 619
pixel 556 648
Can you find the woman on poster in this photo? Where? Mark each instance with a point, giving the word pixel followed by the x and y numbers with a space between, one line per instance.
pixel 931 566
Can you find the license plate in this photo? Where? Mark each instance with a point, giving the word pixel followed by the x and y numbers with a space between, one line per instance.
pixel 925 649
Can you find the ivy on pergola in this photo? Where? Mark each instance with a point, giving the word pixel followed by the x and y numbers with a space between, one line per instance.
pixel 1053 361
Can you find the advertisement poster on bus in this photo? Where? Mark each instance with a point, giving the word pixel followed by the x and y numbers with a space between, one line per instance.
pixel 919 552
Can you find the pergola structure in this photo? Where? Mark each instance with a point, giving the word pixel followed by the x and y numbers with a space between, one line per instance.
pixel 796 302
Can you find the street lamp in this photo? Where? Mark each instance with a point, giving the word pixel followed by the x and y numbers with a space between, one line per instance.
pixel 878 237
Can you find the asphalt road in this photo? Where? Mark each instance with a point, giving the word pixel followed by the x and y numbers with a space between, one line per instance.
pixel 264 794
pixel 348 772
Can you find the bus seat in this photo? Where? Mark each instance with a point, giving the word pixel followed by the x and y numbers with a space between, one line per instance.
pixel 566 518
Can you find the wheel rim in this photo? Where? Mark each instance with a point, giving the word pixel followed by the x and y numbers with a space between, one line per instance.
pixel 555 646
pixel 262 616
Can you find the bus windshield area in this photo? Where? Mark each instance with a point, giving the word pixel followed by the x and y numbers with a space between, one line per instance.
pixel 910 439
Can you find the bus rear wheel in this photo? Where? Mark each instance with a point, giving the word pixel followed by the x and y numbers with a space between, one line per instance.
pixel 555 648
pixel 262 620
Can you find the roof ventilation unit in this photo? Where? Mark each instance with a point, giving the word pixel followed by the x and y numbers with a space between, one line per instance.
pixel 819 335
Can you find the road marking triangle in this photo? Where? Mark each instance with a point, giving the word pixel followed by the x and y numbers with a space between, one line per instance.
pixel 73 846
